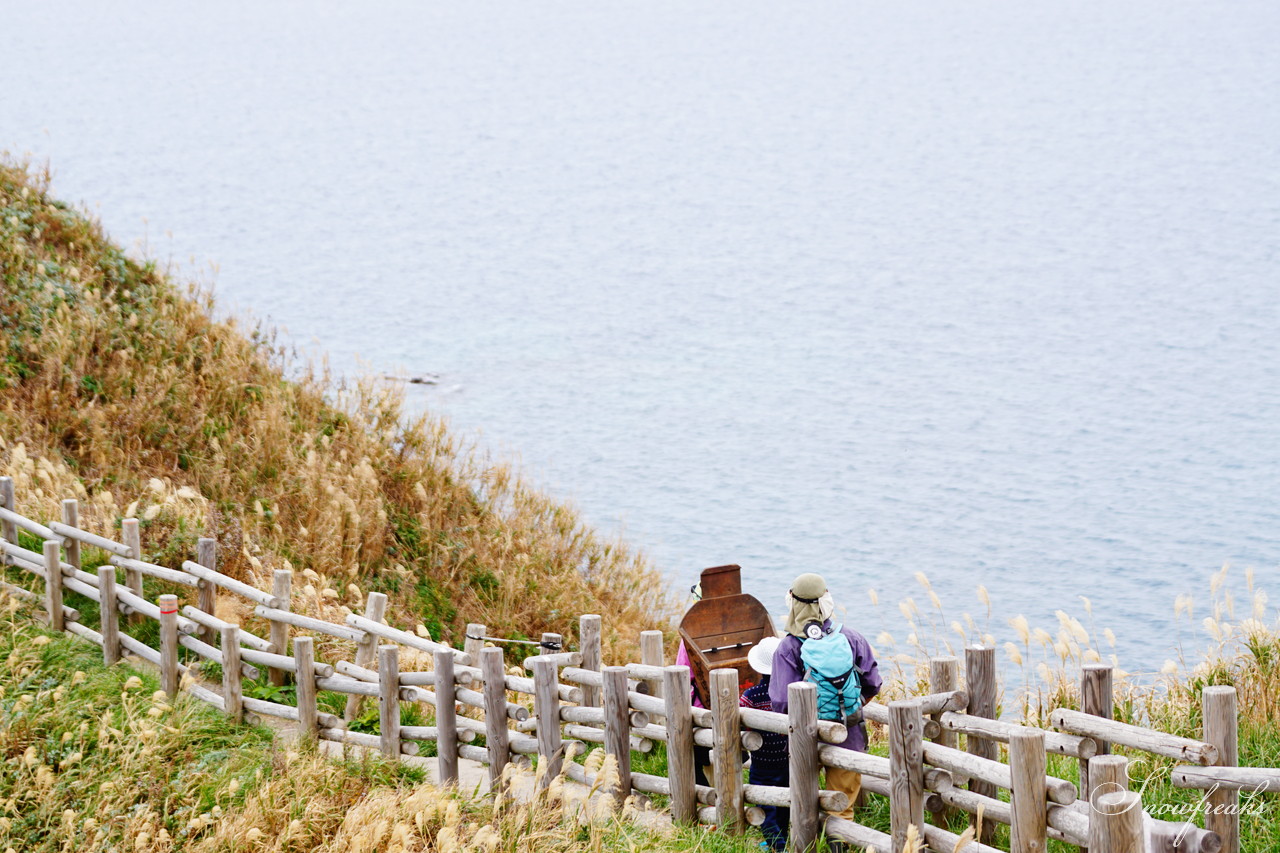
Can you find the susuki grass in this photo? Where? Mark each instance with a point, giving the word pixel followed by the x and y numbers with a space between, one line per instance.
pixel 1234 643
pixel 119 387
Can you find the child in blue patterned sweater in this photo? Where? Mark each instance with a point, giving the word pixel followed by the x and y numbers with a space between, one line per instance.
pixel 769 762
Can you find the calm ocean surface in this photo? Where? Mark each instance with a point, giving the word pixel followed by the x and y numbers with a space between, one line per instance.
pixel 986 290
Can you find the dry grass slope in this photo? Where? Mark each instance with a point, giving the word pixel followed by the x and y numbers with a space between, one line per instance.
pixel 119 385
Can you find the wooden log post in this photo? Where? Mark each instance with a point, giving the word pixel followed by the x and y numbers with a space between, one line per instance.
pixel 1029 792
pixel 546 706
pixel 389 701
pixel 802 728
pixel 8 530
pixel 980 684
pixel 446 720
pixel 281 588
pixel 944 676
pixel 71 518
pixel 651 655
pixel 1220 730
pixel 109 614
pixel 131 534
pixel 232 687
pixel 906 770
pixel 206 591
pixel 1115 822
pixel 1109 772
pixel 169 644
pixel 471 641
pixel 726 750
pixel 375 608
pixel 617 727
pixel 497 735
pixel 676 687
pixel 1108 777
pixel 304 652
pixel 53 585
pixel 589 626
pixel 1096 698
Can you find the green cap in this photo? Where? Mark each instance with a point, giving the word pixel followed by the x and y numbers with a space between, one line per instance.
pixel 808 587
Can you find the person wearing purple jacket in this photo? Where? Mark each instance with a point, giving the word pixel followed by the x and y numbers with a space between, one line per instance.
pixel 809 602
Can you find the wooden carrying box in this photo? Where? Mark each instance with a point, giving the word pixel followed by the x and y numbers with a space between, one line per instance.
pixel 719 630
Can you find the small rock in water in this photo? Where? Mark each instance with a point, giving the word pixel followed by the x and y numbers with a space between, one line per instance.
pixel 424 379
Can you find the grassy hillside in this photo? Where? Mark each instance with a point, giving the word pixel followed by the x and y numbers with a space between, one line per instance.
pixel 97 760
pixel 119 386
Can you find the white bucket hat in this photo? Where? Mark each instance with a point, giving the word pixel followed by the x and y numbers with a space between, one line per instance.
pixel 761 655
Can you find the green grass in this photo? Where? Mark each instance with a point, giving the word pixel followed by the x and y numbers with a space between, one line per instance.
pixel 86 730
pixel 83 741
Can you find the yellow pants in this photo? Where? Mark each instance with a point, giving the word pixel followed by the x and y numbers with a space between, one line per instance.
pixel 848 781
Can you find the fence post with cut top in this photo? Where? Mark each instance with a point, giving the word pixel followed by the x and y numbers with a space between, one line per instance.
pixel 71 518
pixel 375 606
pixel 108 614
pixel 446 719
pixel 546 706
pixel 305 680
pixel 651 655
pixel 232 684
pixel 906 770
pixel 802 726
pixel 589 642
pixel 676 687
pixel 169 644
pixel 472 641
pixel 944 676
pixel 206 592
pixel 53 585
pixel 281 588
pixel 617 726
pixel 1096 698
pixel 980 684
pixel 1220 730
pixel 132 536
pixel 8 529
pixel 1115 813
pixel 497 736
pixel 389 701
pixel 1029 795
pixel 726 749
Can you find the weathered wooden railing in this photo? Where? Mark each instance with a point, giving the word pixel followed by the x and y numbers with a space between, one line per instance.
pixel 574 697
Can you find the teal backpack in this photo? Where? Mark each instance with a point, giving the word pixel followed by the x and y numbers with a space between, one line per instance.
pixel 828 663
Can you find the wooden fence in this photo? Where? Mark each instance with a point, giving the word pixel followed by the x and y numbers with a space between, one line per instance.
pixel 627 708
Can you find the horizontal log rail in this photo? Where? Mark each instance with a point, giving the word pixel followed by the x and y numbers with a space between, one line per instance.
pixel 230 584
pixel 998 730
pixel 34 528
pixel 404 638
pixel 246 639
pixel 32 557
pixel 66 531
pixel 1059 790
pixel 1235 778
pixel 208 652
pixel 1136 737
pixel 876 713
pixel 557 658
pixel 152 570
pixel 308 623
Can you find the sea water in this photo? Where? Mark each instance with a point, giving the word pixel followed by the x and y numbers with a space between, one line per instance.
pixel 986 291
